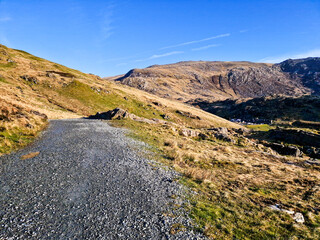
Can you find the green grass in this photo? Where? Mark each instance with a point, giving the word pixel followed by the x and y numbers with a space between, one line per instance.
pixel 30 56
pixel 8 65
pixel 232 217
pixel 106 101
pixel 217 210
pixel 2 79
pixel 16 138
pixel 260 127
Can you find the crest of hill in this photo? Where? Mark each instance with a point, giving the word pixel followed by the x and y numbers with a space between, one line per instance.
pixel 206 80
pixel 36 84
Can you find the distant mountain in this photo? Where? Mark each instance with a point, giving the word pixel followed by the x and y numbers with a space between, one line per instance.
pixel 268 108
pixel 307 70
pixel 213 81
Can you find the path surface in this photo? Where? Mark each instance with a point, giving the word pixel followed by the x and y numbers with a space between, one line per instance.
pixel 87 183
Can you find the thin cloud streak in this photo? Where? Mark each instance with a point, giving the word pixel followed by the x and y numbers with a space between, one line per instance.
pixel 278 59
pixel 198 41
pixel 205 47
pixel 107 20
pixel 5 19
pixel 244 31
pixel 160 56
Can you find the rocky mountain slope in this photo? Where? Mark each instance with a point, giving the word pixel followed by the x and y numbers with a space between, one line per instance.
pixel 187 81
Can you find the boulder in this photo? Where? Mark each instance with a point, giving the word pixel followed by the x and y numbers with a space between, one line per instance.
pixel 298 217
pixel 116 113
pixel 312 152
pixel 32 80
pixel 285 150
pixel 313 162
pixel 222 133
pixel 188 132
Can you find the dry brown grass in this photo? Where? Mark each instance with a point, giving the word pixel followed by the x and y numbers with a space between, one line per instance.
pixel 30 155
pixel 237 184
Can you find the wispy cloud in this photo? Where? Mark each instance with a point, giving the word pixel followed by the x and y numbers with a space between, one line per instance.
pixel 206 47
pixel 277 59
pixel 5 19
pixel 165 54
pixel 198 41
pixel 107 20
pixel 244 31
pixel 160 56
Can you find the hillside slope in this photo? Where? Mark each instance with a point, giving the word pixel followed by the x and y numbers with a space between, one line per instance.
pixel 187 81
pixel 42 88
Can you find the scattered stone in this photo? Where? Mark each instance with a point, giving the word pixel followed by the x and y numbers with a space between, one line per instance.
pixel 287 211
pixel 50 75
pixel 313 162
pixel 312 151
pixel 165 116
pixel 28 125
pixel 188 132
pixel 222 133
pixel 203 136
pixel 157 104
pixel 63 74
pixel 44 116
pixel 32 80
pixel 298 217
pixel 187 114
pixel 277 207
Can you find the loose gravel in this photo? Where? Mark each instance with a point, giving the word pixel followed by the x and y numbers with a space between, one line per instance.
pixel 89 182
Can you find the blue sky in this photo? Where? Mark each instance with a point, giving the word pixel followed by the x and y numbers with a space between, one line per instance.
pixel 111 37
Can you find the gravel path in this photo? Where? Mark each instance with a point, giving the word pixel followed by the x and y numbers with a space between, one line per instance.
pixel 88 182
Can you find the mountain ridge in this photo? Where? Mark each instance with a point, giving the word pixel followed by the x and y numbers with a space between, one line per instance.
pixel 215 80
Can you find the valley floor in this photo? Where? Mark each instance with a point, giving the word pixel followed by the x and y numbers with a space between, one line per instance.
pixel 83 179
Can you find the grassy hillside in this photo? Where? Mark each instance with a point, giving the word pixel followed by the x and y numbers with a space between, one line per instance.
pixel 236 179
pixel 35 84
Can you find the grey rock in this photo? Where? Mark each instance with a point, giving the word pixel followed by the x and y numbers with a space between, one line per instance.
pixel 298 217
pixel 285 150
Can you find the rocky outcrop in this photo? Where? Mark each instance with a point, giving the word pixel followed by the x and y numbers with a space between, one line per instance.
pixel 263 110
pixel 118 114
pixel 222 133
pixel 188 132
pixel 293 136
pixel 263 81
pixel 285 150
pixel 30 79
pixel 307 70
